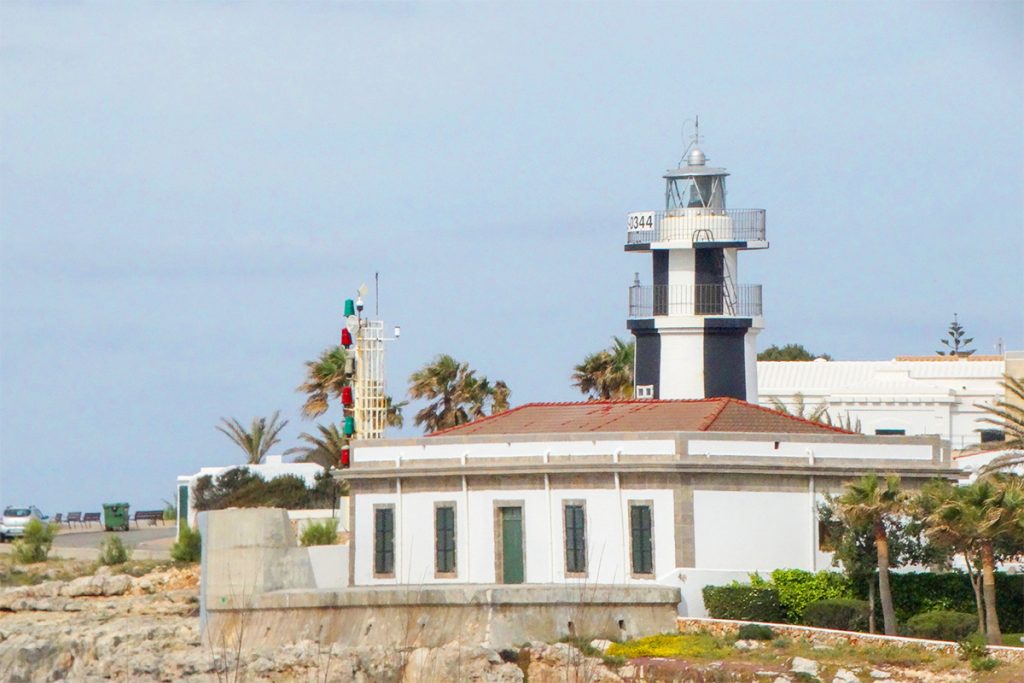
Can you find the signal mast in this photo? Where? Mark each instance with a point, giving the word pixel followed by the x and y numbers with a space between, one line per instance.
pixel 364 401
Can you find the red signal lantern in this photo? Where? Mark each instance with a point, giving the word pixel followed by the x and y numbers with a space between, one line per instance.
pixel 346 396
pixel 346 458
pixel 346 338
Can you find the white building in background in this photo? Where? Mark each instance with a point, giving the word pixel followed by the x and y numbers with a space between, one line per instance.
pixel 273 466
pixel 909 395
pixel 675 493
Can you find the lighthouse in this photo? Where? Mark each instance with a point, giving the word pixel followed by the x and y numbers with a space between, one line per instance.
pixel 695 326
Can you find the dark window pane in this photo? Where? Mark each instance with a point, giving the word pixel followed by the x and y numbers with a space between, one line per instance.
pixel 890 432
pixel 384 541
pixel 640 539
pixel 444 539
pixel 575 539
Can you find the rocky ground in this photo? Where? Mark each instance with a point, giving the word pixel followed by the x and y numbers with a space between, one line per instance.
pixel 116 627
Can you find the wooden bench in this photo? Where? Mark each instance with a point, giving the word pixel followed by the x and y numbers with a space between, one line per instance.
pixel 58 518
pixel 90 517
pixel 152 515
pixel 74 518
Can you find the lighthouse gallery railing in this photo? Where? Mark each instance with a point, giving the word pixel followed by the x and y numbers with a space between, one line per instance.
pixel 696 225
pixel 738 301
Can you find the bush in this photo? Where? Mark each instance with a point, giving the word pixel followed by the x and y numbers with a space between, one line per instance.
pixel 35 543
pixel 240 487
pixel 320 533
pixel 112 551
pixel 973 646
pixel 917 592
pixel 755 632
pixel 188 547
pixel 844 614
pixel 738 601
pixel 798 588
pixel 942 625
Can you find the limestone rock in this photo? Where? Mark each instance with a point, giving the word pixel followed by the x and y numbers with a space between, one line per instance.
pixel 601 645
pixel 880 675
pixel 116 585
pixel 747 644
pixel 83 586
pixel 800 665
pixel 845 676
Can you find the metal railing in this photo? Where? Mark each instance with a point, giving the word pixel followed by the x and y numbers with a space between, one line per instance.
pixel 735 301
pixel 696 225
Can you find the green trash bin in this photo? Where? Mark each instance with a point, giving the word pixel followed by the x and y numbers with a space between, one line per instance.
pixel 115 516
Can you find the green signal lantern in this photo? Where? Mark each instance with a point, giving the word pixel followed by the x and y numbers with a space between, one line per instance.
pixel 350 307
pixel 350 426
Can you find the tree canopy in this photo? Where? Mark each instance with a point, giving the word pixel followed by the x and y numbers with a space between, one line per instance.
pixel 607 374
pixel 256 441
pixel 955 342
pixel 456 393
pixel 790 352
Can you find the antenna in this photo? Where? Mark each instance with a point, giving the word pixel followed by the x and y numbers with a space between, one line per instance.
pixel 696 130
pixel 694 140
pixel 376 294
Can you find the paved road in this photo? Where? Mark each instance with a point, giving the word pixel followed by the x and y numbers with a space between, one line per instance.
pixel 150 537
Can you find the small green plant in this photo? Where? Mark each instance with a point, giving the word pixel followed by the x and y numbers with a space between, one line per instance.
pixel 170 511
pixel 972 647
pixel 755 632
pixel 188 547
pixel 112 551
pixel 942 625
pixel 35 543
pixel 984 663
pixel 320 533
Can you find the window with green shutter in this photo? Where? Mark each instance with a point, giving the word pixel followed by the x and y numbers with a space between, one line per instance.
pixel 575 539
pixel 444 539
pixel 641 539
pixel 384 540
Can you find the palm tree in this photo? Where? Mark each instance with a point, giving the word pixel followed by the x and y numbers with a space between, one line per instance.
pixel 818 413
pixel 872 501
pixel 456 393
pixel 1008 415
pixel 324 448
pixel 325 378
pixel 393 415
pixel 258 439
pixel 607 374
pixel 989 511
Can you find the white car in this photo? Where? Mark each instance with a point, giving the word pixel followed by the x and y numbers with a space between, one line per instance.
pixel 15 519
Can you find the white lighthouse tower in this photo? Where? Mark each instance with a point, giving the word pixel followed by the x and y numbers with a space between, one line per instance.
pixel 695 327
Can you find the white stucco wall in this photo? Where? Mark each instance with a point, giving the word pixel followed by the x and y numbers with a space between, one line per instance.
pixel 512 449
pixel 681 377
pixel 808 449
pixel 753 530
pixel 607 524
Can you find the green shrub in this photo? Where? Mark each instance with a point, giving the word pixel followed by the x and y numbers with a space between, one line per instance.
pixel 917 592
pixel 738 601
pixel 320 533
pixel 188 547
pixel 844 614
pixel 984 663
pixel 112 551
pixel 942 625
pixel 973 646
pixel 755 632
pixel 798 588
pixel 35 543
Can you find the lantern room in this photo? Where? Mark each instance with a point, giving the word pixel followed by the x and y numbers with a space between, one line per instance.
pixel 694 185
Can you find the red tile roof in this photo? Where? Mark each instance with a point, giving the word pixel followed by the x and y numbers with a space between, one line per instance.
pixel 704 415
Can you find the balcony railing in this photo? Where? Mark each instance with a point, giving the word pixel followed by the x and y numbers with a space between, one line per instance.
pixel 742 301
pixel 696 225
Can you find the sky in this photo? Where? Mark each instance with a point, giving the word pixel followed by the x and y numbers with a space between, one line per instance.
pixel 190 191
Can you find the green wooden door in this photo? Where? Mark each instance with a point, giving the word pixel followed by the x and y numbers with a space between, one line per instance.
pixel 511 545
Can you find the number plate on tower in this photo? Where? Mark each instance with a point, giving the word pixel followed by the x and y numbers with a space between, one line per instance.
pixel 641 220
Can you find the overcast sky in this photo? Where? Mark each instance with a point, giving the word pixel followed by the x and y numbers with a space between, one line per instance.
pixel 188 192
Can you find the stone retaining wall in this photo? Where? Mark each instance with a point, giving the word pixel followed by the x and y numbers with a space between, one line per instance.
pixel 824 636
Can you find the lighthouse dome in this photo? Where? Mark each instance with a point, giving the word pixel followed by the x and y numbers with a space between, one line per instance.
pixel 696 157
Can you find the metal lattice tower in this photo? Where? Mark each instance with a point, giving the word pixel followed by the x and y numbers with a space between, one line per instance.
pixel 370 398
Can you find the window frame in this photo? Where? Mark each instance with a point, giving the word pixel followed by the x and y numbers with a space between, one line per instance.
pixel 574 570
pixel 380 555
pixel 636 572
pixel 453 572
